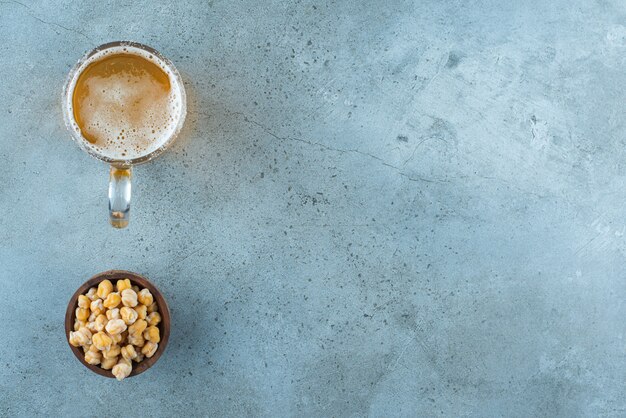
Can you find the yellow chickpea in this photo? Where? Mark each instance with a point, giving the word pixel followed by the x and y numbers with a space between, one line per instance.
pixel 129 298
pixel 104 288
pixel 153 307
pixel 112 300
pixel 122 369
pixel 113 314
pixel 138 327
pixel 141 311
pixel 82 314
pixel 101 321
pixel 93 357
pixel 149 349
pixel 91 326
pixel 154 318
pixel 81 337
pixel 123 284
pixel 92 294
pixel 93 348
pixel 129 315
pixel 90 347
pixel 145 297
pixel 128 352
pixel 115 326
pixel 137 340
pixel 114 351
pixel 152 334
pixel 102 341
pixel 79 324
pixel 97 307
pixel 116 338
pixel 83 302
pixel 108 363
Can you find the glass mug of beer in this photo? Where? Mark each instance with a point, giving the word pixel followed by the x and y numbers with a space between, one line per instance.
pixel 124 103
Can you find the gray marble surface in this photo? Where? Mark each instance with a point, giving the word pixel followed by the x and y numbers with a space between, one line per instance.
pixel 375 209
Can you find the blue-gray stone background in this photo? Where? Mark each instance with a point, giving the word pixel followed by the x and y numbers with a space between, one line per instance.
pixel 376 208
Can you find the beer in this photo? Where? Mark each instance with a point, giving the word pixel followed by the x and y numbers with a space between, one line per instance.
pixel 126 103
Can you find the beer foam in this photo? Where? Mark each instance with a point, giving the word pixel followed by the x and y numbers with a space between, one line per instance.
pixel 128 114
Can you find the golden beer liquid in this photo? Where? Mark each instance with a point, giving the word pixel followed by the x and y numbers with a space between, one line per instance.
pixel 122 104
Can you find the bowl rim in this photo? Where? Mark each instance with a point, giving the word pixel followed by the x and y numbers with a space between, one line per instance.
pixel 136 279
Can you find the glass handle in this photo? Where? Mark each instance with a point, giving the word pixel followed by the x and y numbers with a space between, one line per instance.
pixel 119 196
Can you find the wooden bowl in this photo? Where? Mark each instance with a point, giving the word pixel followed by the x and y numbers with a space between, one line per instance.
pixel 135 279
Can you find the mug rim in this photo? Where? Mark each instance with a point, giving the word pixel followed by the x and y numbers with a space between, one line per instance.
pixel 70 122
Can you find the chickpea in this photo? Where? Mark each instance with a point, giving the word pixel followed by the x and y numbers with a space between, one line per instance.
pixel 91 326
pixel 114 351
pixel 141 311
pixel 116 338
pixel 149 349
pixel 113 314
pixel 138 327
pixel 152 334
pixel 129 315
pixel 145 297
pixel 129 298
pixel 123 284
pixel 137 340
pixel 112 300
pixel 82 314
pixel 81 337
pixel 83 302
pixel 79 324
pixel 93 357
pixel 154 318
pixel 104 288
pixel 102 341
pixel 108 363
pixel 101 321
pixel 122 369
pixel 97 307
pixel 92 294
pixel 129 352
pixel 115 326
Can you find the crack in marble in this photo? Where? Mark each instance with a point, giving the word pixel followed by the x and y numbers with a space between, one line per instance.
pixel 341 151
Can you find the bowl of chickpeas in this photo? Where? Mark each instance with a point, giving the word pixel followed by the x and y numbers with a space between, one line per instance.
pixel 117 324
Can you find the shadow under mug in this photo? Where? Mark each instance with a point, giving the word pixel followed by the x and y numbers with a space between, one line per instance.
pixel 120 169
